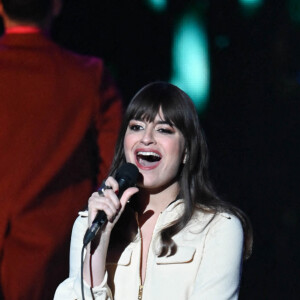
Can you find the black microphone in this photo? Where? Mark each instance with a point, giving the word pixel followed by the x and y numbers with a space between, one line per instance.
pixel 126 177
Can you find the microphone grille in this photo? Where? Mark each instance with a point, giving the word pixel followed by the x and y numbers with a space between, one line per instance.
pixel 129 172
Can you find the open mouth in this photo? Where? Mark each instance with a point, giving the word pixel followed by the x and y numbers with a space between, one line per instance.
pixel 147 159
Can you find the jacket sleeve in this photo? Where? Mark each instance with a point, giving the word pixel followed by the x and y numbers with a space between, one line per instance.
pixel 219 273
pixel 70 289
pixel 108 121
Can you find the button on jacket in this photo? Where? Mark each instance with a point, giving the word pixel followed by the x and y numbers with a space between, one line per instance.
pixel 207 264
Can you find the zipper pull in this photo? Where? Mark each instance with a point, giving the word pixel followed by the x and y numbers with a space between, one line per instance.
pixel 140 292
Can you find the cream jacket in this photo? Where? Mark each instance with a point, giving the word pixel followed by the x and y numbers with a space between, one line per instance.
pixel 207 264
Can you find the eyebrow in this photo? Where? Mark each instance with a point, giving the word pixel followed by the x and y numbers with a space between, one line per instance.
pixel 160 122
pixel 164 123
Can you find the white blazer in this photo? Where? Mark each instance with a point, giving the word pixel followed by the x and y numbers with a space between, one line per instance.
pixel 207 264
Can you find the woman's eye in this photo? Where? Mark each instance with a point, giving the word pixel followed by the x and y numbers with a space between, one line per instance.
pixel 166 130
pixel 135 127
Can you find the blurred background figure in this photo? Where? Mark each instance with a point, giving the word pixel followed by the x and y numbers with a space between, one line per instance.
pixel 59 117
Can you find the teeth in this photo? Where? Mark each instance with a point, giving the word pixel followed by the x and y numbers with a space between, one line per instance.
pixel 148 154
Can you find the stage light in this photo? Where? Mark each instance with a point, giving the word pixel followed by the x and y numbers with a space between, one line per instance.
pixel 158 5
pixel 294 10
pixel 190 59
pixel 250 7
pixel 251 3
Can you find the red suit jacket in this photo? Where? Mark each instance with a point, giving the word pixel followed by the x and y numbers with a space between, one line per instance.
pixel 59 118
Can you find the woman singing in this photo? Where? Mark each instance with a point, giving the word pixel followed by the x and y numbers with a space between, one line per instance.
pixel 175 239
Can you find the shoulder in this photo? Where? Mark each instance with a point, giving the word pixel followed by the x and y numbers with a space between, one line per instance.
pixel 228 225
pixel 77 61
pixel 86 60
pixel 222 234
pixel 82 61
pixel 225 224
pixel 228 219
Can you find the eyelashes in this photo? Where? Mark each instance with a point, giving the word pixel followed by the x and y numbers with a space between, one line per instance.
pixel 135 127
pixel 166 130
pixel 163 130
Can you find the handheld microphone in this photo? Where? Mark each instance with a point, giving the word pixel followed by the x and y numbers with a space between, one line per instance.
pixel 126 177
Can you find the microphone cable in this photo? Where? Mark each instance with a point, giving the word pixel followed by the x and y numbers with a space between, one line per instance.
pixel 81 277
pixel 126 176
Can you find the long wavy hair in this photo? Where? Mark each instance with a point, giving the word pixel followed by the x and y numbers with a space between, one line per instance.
pixel 195 186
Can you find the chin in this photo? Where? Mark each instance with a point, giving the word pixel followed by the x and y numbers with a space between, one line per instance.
pixel 148 185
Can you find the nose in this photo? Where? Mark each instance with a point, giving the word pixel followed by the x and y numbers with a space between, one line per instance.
pixel 148 137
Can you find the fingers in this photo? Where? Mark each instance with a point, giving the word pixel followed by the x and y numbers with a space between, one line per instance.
pixel 108 200
pixel 127 195
pixel 110 181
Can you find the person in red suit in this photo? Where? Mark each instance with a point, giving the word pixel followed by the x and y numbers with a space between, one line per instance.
pixel 59 118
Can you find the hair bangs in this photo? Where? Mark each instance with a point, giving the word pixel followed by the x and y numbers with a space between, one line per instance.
pixel 156 98
pixel 143 107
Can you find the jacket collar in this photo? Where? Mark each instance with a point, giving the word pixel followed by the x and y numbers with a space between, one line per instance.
pixel 26 40
pixel 22 30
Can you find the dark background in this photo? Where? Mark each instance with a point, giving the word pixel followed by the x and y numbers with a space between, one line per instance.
pixel 251 121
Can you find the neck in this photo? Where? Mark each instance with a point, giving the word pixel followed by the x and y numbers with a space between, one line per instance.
pixel 11 23
pixel 157 201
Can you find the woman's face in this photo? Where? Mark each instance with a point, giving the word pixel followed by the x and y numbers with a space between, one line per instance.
pixel 157 149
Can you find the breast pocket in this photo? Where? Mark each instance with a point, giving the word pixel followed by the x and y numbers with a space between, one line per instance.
pixel 121 259
pixel 183 255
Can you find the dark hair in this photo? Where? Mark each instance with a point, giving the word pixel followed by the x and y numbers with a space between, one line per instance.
pixel 27 10
pixel 195 186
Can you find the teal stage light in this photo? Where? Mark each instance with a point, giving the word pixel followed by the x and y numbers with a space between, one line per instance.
pixel 251 3
pixel 158 5
pixel 190 59
pixel 250 7
pixel 294 10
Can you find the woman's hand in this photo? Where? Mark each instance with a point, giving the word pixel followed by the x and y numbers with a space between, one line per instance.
pixel 113 208
pixel 110 204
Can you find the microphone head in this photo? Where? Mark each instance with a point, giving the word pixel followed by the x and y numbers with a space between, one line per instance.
pixel 129 173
